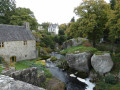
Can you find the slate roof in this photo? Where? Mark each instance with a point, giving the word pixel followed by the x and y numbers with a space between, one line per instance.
pixel 53 25
pixel 14 33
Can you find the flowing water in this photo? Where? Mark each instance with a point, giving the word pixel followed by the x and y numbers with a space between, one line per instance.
pixel 72 82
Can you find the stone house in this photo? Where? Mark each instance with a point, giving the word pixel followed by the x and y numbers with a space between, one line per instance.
pixel 17 43
pixel 53 28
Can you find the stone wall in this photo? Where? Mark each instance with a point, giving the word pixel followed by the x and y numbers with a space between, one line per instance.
pixel 18 49
pixel 8 83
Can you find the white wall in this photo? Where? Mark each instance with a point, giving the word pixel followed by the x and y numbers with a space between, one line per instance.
pixel 54 30
pixel 18 49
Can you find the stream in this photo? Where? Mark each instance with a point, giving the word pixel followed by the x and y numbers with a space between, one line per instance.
pixel 72 82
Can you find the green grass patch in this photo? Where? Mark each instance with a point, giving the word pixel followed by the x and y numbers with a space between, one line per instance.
pixel 33 63
pixel 78 48
pixel 1 69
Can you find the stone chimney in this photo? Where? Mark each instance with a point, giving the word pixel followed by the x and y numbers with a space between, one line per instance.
pixel 27 25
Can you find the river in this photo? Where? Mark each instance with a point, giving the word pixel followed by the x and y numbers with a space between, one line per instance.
pixel 72 82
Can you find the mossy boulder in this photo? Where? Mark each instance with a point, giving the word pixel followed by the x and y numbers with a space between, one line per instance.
pixel 74 42
pixel 80 61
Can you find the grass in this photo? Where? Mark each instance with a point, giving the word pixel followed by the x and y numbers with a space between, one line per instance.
pixel 26 64
pixel 78 48
pixel 40 64
pixel 101 85
pixel 1 69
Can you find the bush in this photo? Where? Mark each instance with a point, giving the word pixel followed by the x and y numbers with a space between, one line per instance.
pixel 53 59
pixel 87 44
pixel 110 79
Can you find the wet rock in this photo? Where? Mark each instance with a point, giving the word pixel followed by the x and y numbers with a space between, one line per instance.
pixel 80 61
pixel 102 63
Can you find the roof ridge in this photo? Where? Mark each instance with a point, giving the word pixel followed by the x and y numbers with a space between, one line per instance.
pixel 11 25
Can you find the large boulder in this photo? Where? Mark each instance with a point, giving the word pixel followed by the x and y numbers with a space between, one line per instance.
pixel 80 61
pixel 102 63
pixel 74 42
pixel 8 83
pixel 29 75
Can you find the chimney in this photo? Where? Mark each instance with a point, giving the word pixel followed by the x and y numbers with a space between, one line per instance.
pixel 27 25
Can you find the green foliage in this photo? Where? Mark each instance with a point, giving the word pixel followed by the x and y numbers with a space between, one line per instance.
pixel 61 32
pixel 53 59
pixel 73 19
pixel 60 39
pixel 93 17
pixel 116 67
pixel 7 8
pixel 62 28
pixel 78 48
pixel 114 22
pixel 47 73
pixel 48 41
pixel 73 30
pixel 112 4
pixel 32 63
pixel 22 15
pixel 1 69
pixel 23 64
pixel 101 85
pixel 110 79
pixel 45 25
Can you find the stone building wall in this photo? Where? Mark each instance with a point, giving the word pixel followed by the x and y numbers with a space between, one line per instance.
pixel 18 49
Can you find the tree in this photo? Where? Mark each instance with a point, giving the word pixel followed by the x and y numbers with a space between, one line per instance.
pixel 73 30
pixel 7 8
pixel 93 17
pixel 73 19
pixel 112 3
pixel 22 15
pixel 45 25
pixel 114 22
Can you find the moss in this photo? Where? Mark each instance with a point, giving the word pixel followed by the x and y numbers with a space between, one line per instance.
pixel 63 64
pixel 78 48
pixel 53 59
pixel 101 52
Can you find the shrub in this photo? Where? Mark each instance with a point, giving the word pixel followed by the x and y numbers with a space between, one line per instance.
pixel 110 79
pixel 49 50
pixel 53 59
pixel 87 44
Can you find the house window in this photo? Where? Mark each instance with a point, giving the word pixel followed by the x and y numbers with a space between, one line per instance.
pixel 1 44
pixel 25 42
